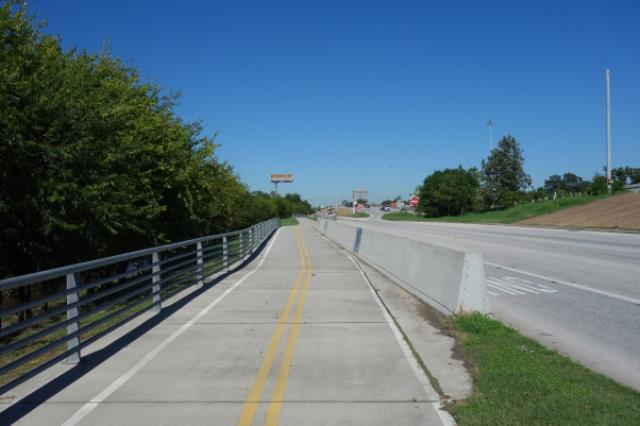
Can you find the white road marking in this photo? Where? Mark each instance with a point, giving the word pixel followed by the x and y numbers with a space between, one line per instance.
pixel 495 287
pixel 546 289
pixel 568 284
pixel 445 417
pixel 517 286
pixel 503 286
pixel 513 283
pixel 492 293
pixel 95 401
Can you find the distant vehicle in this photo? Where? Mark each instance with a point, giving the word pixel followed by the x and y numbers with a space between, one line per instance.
pixel 367 206
pixel 385 208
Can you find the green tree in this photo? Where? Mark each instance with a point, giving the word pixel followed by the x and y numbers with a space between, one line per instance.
pixel 599 185
pixel 94 162
pixel 504 180
pixel 449 192
pixel 571 183
pixel 626 174
pixel 554 184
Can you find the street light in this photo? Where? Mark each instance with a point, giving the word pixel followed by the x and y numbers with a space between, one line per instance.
pixel 391 182
pixel 490 125
pixel 607 73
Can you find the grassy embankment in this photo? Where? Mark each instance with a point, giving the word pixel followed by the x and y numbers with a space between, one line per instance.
pixel 510 215
pixel 289 221
pixel 519 382
pixel 348 212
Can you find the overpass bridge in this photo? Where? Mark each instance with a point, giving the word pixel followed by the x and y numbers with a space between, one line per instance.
pixel 298 336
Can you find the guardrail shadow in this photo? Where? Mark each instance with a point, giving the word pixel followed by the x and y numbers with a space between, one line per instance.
pixel 30 402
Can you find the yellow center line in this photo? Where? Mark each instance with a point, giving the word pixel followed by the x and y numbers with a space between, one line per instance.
pixel 253 400
pixel 275 406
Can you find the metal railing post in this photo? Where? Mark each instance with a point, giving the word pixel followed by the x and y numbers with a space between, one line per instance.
pixel 225 255
pixel 199 263
pixel 251 238
pixel 242 256
pixel 255 238
pixel 155 259
pixel 72 313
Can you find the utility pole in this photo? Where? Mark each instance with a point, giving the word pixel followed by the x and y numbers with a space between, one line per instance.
pixel 353 201
pixel 607 73
pixel 391 182
pixel 490 125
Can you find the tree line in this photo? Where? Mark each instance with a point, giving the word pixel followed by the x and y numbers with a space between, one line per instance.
pixel 502 182
pixel 94 161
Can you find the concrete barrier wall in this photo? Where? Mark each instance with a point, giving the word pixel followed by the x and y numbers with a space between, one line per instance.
pixel 448 279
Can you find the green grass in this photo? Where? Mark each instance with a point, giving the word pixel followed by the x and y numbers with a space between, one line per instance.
pixel 510 215
pixel 360 214
pixel 288 221
pixel 519 382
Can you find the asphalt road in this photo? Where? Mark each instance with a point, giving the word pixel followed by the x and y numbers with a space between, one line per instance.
pixel 575 291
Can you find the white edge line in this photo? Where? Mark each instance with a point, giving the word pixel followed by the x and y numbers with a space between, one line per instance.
pixel 445 417
pixel 99 398
pixel 568 284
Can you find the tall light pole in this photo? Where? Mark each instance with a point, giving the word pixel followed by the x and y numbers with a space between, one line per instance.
pixel 490 125
pixel 607 73
pixel 391 182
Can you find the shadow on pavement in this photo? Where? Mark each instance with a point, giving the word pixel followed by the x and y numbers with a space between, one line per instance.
pixel 33 400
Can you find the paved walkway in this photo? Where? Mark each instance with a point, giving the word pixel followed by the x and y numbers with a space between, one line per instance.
pixel 296 338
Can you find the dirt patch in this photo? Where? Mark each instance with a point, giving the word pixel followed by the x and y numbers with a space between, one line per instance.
pixel 618 212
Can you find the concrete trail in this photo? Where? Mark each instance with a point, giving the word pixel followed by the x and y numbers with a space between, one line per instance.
pixel 296 338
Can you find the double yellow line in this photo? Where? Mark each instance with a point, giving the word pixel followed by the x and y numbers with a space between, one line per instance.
pixel 275 405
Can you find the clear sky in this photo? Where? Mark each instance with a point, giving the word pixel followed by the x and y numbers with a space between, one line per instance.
pixel 336 92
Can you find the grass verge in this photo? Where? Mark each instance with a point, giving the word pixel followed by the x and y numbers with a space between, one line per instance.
pixel 520 382
pixel 289 221
pixel 359 214
pixel 510 215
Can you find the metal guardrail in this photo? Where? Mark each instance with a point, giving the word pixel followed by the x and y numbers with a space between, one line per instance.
pixel 77 304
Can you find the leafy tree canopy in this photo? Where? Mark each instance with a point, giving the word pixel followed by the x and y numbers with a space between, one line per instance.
pixel 503 177
pixel 449 192
pixel 94 161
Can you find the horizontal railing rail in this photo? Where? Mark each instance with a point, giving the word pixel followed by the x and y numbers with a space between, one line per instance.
pixel 52 315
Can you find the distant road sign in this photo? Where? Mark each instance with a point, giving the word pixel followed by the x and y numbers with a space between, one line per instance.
pixel 281 177
pixel 414 201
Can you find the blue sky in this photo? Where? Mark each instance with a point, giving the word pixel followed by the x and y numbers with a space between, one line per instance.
pixel 336 92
